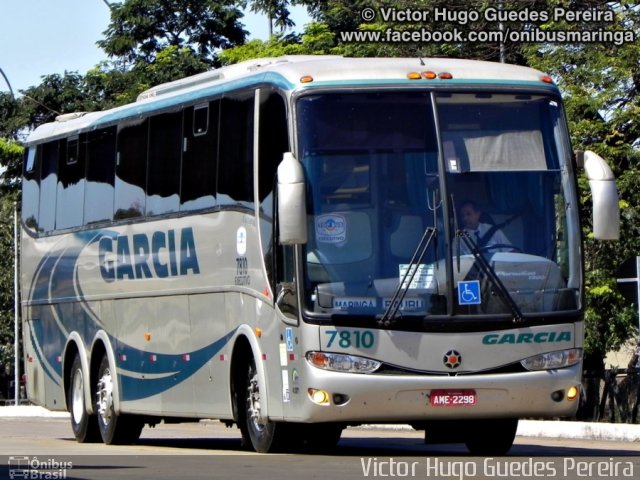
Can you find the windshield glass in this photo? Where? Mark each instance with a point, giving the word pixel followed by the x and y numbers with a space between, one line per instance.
pixel 374 190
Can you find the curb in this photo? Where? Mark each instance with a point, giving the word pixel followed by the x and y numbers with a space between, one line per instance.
pixel 30 411
pixel 616 432
pixel 619 432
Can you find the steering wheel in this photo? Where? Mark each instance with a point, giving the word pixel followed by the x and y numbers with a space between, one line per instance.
pixel 494 246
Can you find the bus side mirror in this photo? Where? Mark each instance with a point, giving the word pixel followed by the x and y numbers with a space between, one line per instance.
pixel 606 212
pixel 292 204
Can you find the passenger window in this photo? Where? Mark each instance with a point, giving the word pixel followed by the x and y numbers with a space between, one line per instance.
pixel 200 119
pixel 273 141
pixel 235 175
pixel 73 150
pixel 70 194
pixel 163 184
pixel 131 169
pixel 31 187
pixel 199 158
pixel 48 186
pixel 101 165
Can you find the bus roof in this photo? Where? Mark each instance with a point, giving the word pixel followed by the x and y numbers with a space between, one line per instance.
pixel 299 72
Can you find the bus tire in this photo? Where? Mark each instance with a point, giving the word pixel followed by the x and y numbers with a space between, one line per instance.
pixel 84 425
pixel 114 429
pixel 491 437
pixel 258 433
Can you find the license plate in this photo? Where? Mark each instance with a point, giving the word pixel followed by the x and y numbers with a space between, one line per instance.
pixel 452 398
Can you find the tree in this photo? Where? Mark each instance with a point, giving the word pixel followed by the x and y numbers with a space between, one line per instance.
pixel 277 12
pixel 141 29
pixel 11 153
pixel 11 156
pixel 114 83
pixel 316 40
pixel 9 118
pixel 601 88
pixel 56 95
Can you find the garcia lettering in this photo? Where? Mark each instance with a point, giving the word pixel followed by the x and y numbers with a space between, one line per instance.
pixel 540 337
pixel 138 257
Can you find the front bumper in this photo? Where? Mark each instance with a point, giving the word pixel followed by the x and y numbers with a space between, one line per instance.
pixel 361 398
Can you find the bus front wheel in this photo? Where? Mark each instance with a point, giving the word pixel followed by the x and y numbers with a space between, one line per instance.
pixel 85 426
pixel 258 432
pixel 115 429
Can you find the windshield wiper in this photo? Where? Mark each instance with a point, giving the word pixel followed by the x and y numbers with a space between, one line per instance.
pixel 403 286
pixel 499 287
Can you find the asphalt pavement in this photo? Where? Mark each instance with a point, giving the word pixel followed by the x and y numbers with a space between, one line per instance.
pixel 621 432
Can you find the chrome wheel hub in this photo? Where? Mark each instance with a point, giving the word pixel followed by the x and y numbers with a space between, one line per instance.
pixel 104 397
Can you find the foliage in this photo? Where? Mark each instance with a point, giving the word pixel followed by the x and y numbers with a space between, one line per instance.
pixel 601 88
pixel 6 286
pixel 116 83
pixel 316 40
pixel 56 95
pixel 277 12
pixel 141 29
pixel 10 120
pixel 11 153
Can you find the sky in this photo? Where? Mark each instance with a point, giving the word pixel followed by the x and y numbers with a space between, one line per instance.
pixel 43 37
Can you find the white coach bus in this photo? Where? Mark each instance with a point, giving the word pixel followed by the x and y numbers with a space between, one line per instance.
pixel 278 244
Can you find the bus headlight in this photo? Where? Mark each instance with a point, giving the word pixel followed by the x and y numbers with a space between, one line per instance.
pixel 338 362
pixel 553 360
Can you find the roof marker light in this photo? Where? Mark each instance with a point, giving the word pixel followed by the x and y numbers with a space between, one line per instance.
pixel 306 79
pixel 445 76
pixel 547 79
pixel 414 76
pixel 429 75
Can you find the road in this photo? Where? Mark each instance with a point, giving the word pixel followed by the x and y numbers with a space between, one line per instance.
pixel 45 448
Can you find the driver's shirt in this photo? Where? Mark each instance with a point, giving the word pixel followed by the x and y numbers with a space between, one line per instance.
pixel 498 238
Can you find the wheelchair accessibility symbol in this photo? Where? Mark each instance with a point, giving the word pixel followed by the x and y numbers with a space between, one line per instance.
pixel 469 292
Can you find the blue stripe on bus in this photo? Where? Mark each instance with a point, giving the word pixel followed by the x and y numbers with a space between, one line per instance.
pixel 173 367
pixel 56 278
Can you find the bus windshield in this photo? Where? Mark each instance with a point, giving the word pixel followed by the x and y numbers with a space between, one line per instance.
pixel 490 179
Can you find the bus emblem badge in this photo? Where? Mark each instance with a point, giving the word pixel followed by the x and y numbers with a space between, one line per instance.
pixel 452 359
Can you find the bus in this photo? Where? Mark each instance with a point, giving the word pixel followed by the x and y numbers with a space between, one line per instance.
pixel 278 245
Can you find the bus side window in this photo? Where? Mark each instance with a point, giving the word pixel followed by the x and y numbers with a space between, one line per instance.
pixel 101 165
pixel 163 182
pixel 273 141
pixel 131 169
pixel 71 180
pixel 199 156
pixel 31 187
pixel 48 185
pixel 235 174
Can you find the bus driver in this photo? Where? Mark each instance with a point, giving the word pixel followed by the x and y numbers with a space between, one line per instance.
pixel 484 235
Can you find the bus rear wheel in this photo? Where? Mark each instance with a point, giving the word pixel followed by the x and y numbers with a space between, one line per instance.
pixel 258 432
pixel 85 426
pixel 115 429
pixel 491 437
